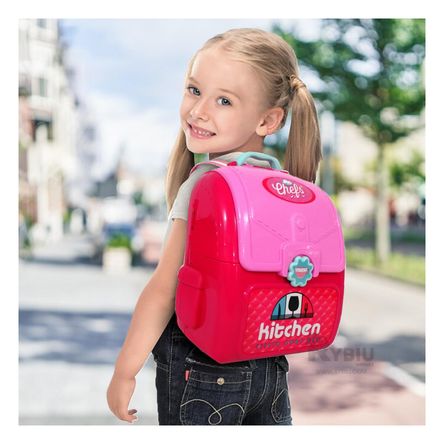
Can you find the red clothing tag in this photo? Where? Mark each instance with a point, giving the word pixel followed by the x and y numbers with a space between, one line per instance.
pixel 187 374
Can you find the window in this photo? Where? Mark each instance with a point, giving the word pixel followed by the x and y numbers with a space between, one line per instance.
pixel 42 87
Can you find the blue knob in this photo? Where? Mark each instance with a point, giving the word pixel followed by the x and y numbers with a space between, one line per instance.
pixel 300 271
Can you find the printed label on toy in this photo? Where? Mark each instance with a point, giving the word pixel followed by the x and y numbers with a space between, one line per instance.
pixel 289 190
pixel 292 305
pixel 290 322
pixel 276 330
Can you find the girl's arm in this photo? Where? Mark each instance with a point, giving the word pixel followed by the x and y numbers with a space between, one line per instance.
pixel 155 305
pixel 151 315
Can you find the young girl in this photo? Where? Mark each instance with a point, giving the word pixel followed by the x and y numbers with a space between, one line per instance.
pixel 239 88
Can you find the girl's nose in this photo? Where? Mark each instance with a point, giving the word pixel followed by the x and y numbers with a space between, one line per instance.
pixel 200 110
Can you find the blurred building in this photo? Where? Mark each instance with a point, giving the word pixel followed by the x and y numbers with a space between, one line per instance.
pixel 123 181
pixel 81 183
pixel 47 137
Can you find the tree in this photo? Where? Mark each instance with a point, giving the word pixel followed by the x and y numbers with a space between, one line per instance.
pixel 371 75
pixel 407 174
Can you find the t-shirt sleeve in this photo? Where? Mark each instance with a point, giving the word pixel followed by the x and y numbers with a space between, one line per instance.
pixel 180 206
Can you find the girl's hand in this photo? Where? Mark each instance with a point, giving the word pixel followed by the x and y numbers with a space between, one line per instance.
pixel 118 395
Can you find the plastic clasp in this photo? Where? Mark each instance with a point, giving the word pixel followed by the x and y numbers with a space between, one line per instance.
pixel 300 271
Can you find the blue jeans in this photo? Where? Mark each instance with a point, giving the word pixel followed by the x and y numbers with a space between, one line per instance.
pixel 193 389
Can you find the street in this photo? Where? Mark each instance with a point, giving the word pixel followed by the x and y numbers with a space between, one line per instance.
pixel 74 317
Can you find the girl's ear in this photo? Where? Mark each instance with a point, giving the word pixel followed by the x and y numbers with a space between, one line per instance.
pixel 270 122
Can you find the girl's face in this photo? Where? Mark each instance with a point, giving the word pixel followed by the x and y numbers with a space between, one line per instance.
pixel 222 107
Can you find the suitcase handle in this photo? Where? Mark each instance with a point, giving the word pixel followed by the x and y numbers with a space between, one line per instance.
pixel 261 156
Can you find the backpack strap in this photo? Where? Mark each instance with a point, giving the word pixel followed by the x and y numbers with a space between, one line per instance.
pixel 219 163
pixel 274 163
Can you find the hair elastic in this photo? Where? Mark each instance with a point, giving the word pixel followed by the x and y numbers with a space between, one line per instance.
pixel 296 83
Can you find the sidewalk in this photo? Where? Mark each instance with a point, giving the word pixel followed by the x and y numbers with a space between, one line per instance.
pixel 335 393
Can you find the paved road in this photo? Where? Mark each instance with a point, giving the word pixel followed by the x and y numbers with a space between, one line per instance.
pixel 387 316
pixel 73 319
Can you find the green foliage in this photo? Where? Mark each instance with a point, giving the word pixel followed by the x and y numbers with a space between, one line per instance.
pixel 137 197
pixel 410 172
pixel 29 221
pixel 119 241
pixel 67 215
pixel 408 268
pixel 370 70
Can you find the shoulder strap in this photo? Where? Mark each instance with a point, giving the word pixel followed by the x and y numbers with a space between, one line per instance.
pixel 219 163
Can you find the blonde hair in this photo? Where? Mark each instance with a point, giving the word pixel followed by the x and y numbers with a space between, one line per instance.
pixel 275 62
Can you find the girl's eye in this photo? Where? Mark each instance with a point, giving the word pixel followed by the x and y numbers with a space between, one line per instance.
pixel 195 92
pixel 192 90
pixel 225 101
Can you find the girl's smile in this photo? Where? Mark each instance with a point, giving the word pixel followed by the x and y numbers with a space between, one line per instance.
pixel 199 133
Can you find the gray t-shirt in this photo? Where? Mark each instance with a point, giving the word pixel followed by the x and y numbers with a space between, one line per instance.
pixel 179 209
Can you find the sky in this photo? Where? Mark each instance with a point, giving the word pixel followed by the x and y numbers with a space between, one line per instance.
pixel 129 76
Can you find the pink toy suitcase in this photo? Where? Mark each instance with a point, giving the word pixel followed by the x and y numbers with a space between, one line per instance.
pixel 263 271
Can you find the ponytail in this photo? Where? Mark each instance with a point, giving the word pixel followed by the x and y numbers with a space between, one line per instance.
pixel 181 160
pixel 303 152
pixel 179 166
